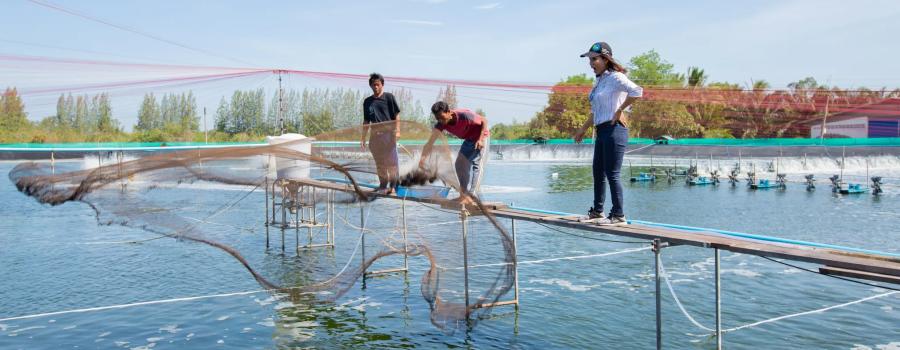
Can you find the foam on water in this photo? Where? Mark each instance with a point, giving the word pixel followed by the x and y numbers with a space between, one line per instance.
pixel 283 305
pixel 886 166
pixel 888 346
pixel 742 272
pixel 683 280
pixel 536 290
pixel 16 331
pixel 362 307
pixel 565 284
pixel 173 328
pixel 269 322
pixel 265 302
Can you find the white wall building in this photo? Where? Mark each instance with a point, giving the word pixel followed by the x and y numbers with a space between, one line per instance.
pixel 880 119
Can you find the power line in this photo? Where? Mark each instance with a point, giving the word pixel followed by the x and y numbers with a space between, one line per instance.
pixel 45 59
pixel 59 8
pixel 151 82
pixel 93 52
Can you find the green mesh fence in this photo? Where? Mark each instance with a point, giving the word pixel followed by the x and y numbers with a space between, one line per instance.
pixel 885 141
pixel 882 141
pixel 117 145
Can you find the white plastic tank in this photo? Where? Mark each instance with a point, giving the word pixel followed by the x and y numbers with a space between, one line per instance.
pixel 288 168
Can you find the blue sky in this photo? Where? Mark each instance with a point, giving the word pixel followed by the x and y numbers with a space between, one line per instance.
pixel 843 43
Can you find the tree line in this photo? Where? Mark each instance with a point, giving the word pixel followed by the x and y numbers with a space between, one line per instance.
pixel 307 111
pixel 243 116
pixel 688 105
pixel 77 118
pixel 174 113
pixel 675 104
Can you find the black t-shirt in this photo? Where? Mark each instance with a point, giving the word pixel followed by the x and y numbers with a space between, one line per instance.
pixel 380 109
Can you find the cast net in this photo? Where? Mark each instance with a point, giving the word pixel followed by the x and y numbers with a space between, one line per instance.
pixel 215 196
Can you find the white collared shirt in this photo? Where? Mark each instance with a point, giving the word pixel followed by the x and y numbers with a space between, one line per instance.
pixel 609 93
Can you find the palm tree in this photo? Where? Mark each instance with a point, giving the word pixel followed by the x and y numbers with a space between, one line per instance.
pixel 696 77
pixel 761 85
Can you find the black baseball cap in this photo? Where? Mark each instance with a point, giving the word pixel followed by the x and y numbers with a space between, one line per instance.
pixel 599 48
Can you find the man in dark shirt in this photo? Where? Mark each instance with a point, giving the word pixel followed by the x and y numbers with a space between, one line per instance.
pixel 380 114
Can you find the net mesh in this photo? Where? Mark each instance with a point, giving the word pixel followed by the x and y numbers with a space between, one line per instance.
pixel 209 195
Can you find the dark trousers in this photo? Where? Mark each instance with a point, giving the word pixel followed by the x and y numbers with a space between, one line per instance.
pixel 383 145
pixel 609 151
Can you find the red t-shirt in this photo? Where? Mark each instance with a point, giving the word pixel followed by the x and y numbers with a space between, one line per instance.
pixel 466 125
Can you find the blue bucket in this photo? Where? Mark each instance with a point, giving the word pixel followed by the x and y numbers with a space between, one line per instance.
pixel 423 191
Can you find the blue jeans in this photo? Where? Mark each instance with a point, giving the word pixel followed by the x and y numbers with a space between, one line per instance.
pixel 609 151
pixel 468 167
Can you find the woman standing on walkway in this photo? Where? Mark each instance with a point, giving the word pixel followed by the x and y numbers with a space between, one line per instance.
pixel 613 92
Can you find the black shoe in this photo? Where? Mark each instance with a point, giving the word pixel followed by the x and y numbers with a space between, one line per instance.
pixel 594 214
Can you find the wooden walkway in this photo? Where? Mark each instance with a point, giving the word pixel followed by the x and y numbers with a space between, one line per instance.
pixel 846 263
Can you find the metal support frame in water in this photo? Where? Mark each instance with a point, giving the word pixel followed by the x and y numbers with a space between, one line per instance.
pixel 464 215
pixel 657 246
pixel 837 260
pixel 657 249
pixel 718 299
pixel 403 231
pixel 512 223
pixel 299 209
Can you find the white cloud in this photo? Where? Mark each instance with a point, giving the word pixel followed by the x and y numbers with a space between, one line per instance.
pixel 417 22
pixel 490 6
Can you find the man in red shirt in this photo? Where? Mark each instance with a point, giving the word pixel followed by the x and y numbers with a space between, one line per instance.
pixel 474 131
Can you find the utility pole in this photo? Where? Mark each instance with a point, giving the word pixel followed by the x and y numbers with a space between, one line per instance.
pixel 280 105
pixel 205 130
pixel 824 119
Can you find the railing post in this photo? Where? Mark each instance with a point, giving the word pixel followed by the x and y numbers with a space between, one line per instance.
pixel 405 242
pixel 267 211
pixel 515 260
pixel 719 340
pixel 330 218
pixel 362 231
pixel 657 247
pixel 463 214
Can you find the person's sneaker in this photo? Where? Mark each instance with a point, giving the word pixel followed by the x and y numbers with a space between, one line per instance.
pixel 617 220
pixel 596 217
pixel 601 221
